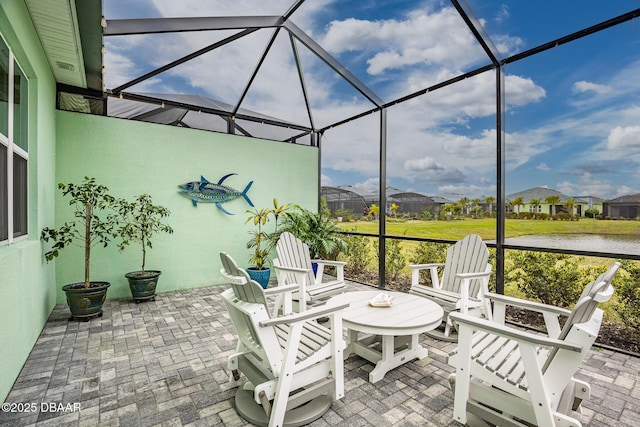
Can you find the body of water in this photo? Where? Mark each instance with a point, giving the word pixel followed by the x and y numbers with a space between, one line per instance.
pixel 583 242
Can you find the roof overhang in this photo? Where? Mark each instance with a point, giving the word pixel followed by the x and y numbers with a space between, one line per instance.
pixel 70 32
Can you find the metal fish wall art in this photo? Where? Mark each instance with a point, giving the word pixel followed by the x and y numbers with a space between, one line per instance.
pixel 207 192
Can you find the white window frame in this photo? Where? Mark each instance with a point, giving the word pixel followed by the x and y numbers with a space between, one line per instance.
pixel 13 148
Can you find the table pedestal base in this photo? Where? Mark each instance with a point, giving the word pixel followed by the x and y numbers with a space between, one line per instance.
pixel 386 351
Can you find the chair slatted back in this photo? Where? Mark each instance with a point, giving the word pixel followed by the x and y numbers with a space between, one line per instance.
pixel 467 255
pixel 589 299
pixel 294 253
pixel 246 317
pixel 243 287
pixel 600 290
pixel 247 309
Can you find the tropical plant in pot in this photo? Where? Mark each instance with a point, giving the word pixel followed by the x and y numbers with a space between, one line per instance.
pixel 96 222
pixel 141 220
pixel 317 230
pixel 259 259
pixel 262 242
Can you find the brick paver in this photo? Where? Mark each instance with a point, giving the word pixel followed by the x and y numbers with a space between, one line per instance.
pixel 163 363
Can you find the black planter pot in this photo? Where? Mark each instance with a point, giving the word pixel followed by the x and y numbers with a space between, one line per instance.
pixel 143 286
pixel 86 303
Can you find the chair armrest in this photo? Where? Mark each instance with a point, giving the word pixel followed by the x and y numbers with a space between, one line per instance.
pixel 475 275
pixel 415 273
pixel 425 266
pixel 550 313
pixel 330 262
pixel 528 305
pixel 234 280
pixel 311 314
pixel 292 270
pixel 339 265
pixel 466 278
pixel 281 289
pixel 479 324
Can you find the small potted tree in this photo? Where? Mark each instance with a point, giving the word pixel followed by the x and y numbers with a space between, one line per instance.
pixel 141 221
pixel 95 222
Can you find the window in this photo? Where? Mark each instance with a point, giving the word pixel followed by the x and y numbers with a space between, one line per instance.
pixel 14 145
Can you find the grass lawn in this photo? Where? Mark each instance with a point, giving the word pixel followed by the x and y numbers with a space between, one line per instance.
pixel 486 227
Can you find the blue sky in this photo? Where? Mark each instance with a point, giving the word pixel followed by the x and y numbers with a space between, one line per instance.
pixel 573 112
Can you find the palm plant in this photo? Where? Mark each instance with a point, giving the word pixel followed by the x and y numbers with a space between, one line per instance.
pixel 490 200
pixel 517 202
pixel 553 201
pixel 534 205
pixel 260 254
pixel 569 204
pixel 317 230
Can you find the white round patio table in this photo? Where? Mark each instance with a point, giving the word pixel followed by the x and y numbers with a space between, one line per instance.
pixel 387 336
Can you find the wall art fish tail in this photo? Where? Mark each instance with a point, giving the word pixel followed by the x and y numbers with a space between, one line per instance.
pixel 208 192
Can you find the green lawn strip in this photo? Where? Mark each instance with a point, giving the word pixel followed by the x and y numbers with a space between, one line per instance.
pixel 486 227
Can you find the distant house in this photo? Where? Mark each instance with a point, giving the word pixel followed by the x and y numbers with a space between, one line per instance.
pixel 584 203
pixel 580 203
pixel 359 200
pixel 411 202
pixel 622 207
pixel 348 198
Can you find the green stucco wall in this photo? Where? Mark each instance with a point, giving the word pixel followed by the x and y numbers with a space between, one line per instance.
pixel 27 285
pixel 132 158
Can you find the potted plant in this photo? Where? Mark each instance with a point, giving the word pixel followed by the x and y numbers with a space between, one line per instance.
pixel 259 260
pixel 317 230
pixel 95 222
pixel 259 271
pixel 141 221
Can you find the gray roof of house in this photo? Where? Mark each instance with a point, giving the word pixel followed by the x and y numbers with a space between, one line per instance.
pixel 631 198
pixel 540 193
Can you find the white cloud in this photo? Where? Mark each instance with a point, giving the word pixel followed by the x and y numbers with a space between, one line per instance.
pixel 521 91
pixel 503 14
pixel 624 138
pixel 543 167
pixel 423 164
pixel 120 68
pixel 584 86
pixel 438 38
pixel 587 185
pixel 371 185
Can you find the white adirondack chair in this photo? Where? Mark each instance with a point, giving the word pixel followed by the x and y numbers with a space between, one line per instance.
pixel 294 365
pixel 237 278
pixel 510 377
pixel 464 281
pixel 293 265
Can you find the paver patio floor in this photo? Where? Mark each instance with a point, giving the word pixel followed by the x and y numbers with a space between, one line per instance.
pixel 163 363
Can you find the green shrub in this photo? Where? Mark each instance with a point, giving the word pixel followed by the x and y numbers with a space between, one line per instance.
pixel 427 215
pixel 394 260
pixel 627 292
pixel 357 253
pixel 556 279
pixel 591 213
pixel 346 214
pixel 429 253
